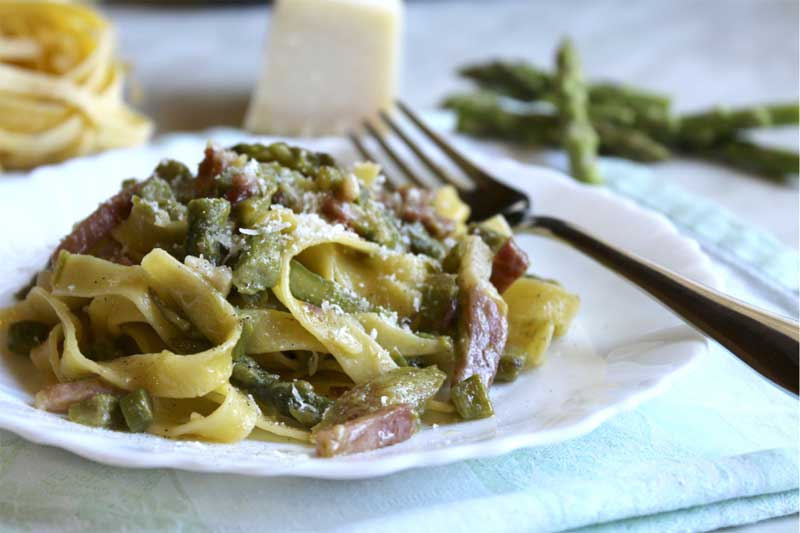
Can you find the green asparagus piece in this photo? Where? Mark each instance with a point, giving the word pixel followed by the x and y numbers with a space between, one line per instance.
pixel 421 242
pixel 25 335
pixel 491 238
pixel 471 399
pixel 509 368
pixel 517 80
pixel 579 138
pixel 612 113
pixel 776 164
pixel 314 289
pixel 296 399
pixel 373 222
pixel 629 122
pixel 179 178
pixel 208 228
pixel 259 264
pixel 439 302
pixel 299 159
pixel 405 385
pixel 483 115
pixel 617 103
pixel 252 211
pixel 708 128
pixel 399 359
pixel 157 191
pixel 646 107
pixel 101 410
pixel 137 410
pixel 629 143
pixel 171 170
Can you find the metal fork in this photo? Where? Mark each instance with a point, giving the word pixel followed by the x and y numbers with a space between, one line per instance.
pixel 766 342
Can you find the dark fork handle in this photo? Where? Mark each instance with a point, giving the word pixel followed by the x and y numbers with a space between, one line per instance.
pixel 766 342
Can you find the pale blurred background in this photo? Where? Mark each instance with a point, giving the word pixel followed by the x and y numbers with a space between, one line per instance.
pixel 197 65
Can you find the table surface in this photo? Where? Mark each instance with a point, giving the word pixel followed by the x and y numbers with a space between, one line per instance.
pixel 196 68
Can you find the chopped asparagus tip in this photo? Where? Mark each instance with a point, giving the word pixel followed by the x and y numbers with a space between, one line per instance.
pixel 25 335
pixel 299 159
pixel 439 302
pixel 208 228
pixel 259 264
pixel 172 171
pixel 137 409
pixel 314 289
pixel 101 410
pixel 509 368
pixel 471 399
pixel 296 399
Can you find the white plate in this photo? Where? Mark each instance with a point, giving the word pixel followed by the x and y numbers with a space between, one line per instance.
pixel 623 349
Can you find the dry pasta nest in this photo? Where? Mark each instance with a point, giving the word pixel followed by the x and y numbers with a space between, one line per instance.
pixel 60 85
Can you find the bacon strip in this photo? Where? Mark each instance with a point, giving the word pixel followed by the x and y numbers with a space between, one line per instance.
pixel 337 211
pixel 510 262
pixel 99 224
pixel 483 334
pixel 385 427
pixel 482 324
pixel 413 204
pixel 57 398
pixel 241 189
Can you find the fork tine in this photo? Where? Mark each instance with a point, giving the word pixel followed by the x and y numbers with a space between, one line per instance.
pixel 436 169
pixel 401 164
pixel 462 162
pixel 391 182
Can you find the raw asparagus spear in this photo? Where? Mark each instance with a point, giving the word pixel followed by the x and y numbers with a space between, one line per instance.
pixel 709 127
pixel 579 138
pixel 517 80
pixel 483 115
pixel 525 82
pixel 629 143
pixel 772 163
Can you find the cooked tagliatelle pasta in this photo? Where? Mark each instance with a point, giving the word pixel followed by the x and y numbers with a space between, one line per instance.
pixel 60 85
pixel 273 290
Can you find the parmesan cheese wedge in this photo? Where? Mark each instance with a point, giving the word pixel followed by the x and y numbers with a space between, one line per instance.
pixel 329 65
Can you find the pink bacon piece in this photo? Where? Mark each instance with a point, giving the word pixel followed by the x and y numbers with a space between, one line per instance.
pixel 384 427
pixel 57 398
